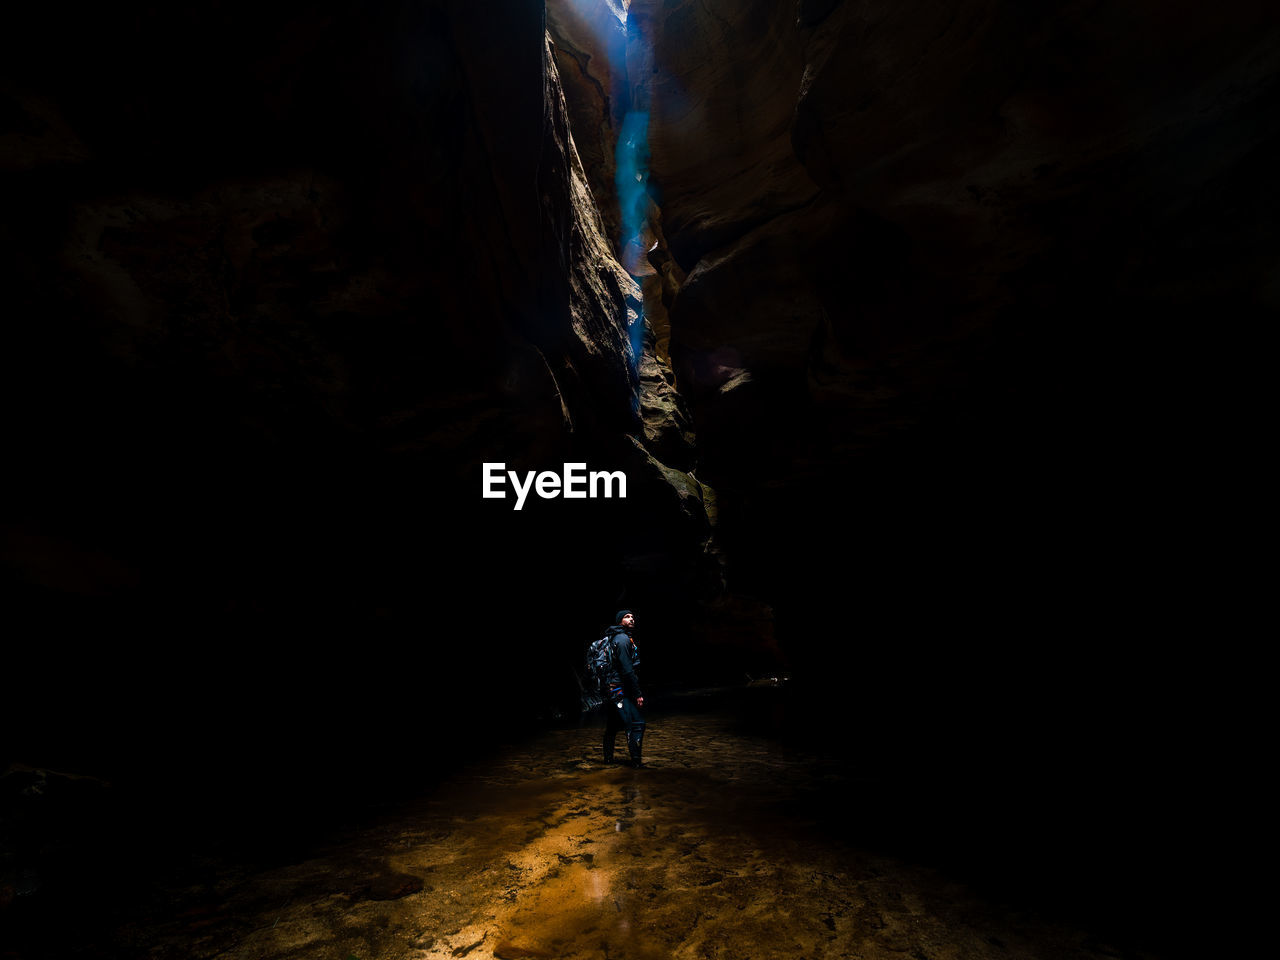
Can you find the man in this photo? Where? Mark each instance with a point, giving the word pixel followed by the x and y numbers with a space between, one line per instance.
pixel 623 700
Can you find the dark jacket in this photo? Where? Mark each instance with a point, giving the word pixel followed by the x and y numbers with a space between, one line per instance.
pixel 622 667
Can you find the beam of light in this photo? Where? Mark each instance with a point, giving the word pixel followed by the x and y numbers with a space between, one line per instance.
pixel 619 41
pixel 631 178
pixel 588 13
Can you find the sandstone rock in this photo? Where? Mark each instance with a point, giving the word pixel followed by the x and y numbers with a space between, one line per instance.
pixel 720 87
pixel 509 951
pixel 590 50
pixel 393 886
pixel 991 181
pixel 273 312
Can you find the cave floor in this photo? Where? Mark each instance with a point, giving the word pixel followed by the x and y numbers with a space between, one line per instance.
pixel 545 851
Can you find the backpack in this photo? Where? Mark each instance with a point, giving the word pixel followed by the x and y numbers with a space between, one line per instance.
pixel 599 663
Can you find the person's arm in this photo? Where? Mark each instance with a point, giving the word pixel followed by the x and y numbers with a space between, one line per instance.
pixel 627 672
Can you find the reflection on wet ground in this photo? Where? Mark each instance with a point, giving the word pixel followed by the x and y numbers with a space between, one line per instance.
pixel 548 852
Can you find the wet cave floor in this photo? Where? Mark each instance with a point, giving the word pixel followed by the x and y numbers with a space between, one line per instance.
pixel 712 850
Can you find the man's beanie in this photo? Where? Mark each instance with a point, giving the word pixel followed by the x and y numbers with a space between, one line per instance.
pixel 621 614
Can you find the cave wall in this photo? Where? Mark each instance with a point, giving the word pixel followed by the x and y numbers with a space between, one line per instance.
pixel 964 322
pixel 947 296
pixel 278 283
pixel 948 274
pixel 925 315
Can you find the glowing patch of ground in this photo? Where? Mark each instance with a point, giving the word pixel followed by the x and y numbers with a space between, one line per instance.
pixel 550 853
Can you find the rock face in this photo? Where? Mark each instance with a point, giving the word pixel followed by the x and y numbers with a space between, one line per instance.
pixel 590 49
pixel 944 267
pixel 964 325
pixel 721 87
pixel 938 306
pixel 279 283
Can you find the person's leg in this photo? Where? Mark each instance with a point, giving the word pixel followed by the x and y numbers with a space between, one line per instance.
pixel 612 724
pixel 634 720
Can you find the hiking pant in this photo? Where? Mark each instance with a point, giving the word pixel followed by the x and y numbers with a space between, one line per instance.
pixel 627 717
